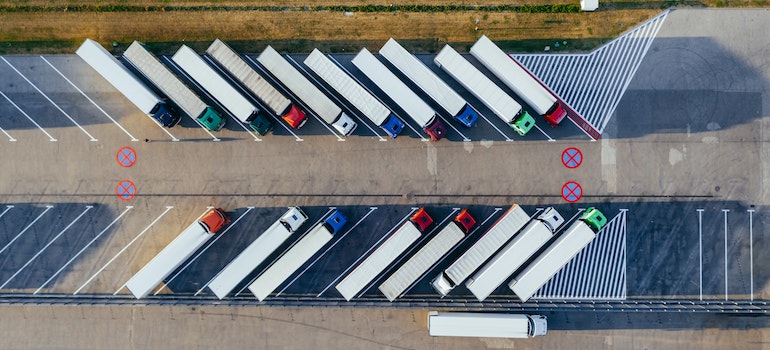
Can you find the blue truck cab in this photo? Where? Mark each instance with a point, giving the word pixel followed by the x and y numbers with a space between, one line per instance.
pixel 467 116
pixel 392 126
pixel 335 222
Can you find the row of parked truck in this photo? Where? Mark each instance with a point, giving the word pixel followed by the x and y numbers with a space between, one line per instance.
pixel 528 250
pixel 236 82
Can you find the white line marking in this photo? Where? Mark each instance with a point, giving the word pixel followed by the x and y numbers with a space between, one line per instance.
pixel 90 100
pixel 751 252
pixel 83 249
pixel 219 235
pixel 50 138
pixel 320 120
pixel 371 209
pixel 700 246
pixel 400 222
pixel 122 250
pixel 10 138
pixel 277 86
pixel 493 125
pixel 88 207
pixel 725 211
pixel 49 100
pixel 544 133
pixel 446 122
pixel 7 208
pixel 190 79
pixel 47 208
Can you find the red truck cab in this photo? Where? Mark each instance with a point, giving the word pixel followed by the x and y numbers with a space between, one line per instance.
pixel 465 220
pixel 295 117
pixel 421 219
pixel 556 114
pixel 214 220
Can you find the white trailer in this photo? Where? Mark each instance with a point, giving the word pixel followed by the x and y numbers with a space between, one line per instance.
pixel 486 325
pixel 525 244
pixel 256 253
pixel 205 75
pixel 500 232
pixel 379 260
pixel 516 77
pixel 404 97
pixel 278 104
pixel 130 86
pixel 297 255
pixel 502 104
pixel 169 84
pixel 298 84
pixel 428 82
pixel 427 256
pixel 361 99
pixel 558 254
pixel 176 252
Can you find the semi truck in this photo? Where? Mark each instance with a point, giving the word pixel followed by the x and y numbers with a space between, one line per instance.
pixel 278 104
pixel 489 243
pixel 257 252
pixel 558 254
pixel 104 63
pixel 514 254
pixel 298 84
pixel 521 81
pixel 205 75
pixel 401 95
pixel 428 82
pixel 177 252
pixel 427 256
pixel 170 85
pixel 297 255
pixel 384 255
pixel 361 99
pixel 502 104
pixel 486 325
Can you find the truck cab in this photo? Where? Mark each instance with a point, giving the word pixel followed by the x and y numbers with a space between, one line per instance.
pixel 465 220
pixel 211 119
pixel 392 126
pixel 594 218
pixel 436 130
pixel 523 123
pixel 538 325
pixel 442 284
pixel 467 116
pixel 551 218
pixel 214 220
pixel 555 115
pixel 421 219
pixel 344 124
pixel 166 115
pixel 293 219
pixel 262 124
pixel 295 117
pixel 335 222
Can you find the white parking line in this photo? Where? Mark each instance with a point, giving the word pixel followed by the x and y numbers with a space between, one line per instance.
pixel 320 120
pixel 751 253
pixel 49 99
pixel 286 250
pixel 219 235
pixel 47 208
pixel 700 246
pixel 88 207
pixel 546 135
pixel 129 207
pixel 122 250
pixel 50 138
pixel 134 139
pixel 371 210
pixel 725 211
pixel 277 86
pixel 400 222
pixel 181 71
pixel 465 138
pixel 421 136
pixel 234 84
pixel 408 253
pixel 493 125
pixel 10 138
pixel 7 208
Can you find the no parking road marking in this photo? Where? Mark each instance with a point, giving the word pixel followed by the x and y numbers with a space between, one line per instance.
pixel 571 192
pixel 571 157
pixel 126 190
pixel 126 157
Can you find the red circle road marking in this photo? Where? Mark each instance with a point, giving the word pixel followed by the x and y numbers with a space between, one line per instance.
pixel 126 190
pixel 572 157
pixel 571 192
pixel 126 157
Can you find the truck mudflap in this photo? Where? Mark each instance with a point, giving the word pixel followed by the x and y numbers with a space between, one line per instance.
pixel 555 115
pixel 436 130
pixel 295 117
pixel 523 124
pixel 392 126
pixel 467 116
